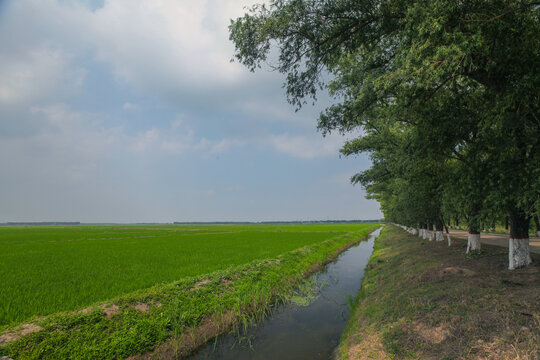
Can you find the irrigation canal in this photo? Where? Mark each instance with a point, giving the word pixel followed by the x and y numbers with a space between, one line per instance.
pixel 307 329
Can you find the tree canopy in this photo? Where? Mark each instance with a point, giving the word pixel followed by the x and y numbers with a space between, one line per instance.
pixel 446 93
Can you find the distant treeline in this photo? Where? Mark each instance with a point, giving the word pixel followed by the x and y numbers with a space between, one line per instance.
pixel 273 222
pixel 44 223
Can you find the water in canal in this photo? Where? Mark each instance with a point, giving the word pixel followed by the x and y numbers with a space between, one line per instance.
pixel 298 330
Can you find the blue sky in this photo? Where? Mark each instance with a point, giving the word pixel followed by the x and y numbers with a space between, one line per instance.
pixel 131 111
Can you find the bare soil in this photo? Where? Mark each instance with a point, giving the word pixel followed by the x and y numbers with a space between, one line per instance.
pixel 22 330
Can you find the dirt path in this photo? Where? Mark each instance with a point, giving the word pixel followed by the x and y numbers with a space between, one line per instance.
pixel 497 239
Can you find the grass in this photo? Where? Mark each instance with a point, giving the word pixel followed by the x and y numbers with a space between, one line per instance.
pixel 51 269
pixel 424 300
pixel 192 284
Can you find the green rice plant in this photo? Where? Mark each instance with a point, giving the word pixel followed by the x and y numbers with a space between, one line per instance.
pixel 252 272
pixel 50 269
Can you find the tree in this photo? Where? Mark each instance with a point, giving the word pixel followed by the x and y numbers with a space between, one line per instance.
pixel 405 62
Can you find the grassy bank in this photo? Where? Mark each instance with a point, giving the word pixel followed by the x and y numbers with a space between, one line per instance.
pixel 178 316
pixel 49 269
pixel 424 300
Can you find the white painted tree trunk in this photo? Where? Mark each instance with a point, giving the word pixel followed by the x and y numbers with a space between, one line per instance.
pixel 449 239
pixel 518 253
pixel 439 236
pixel 473 242
pixel 538 233
pixel 430 235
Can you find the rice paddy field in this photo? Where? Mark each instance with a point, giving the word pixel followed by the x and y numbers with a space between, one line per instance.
pixel 49 269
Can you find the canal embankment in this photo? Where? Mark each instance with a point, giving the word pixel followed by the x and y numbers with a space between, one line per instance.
pixel 425 300
pixel 309 326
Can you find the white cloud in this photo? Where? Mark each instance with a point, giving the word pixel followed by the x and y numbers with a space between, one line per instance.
pixel 40 42
pixel 234 188
pixel 180 140
pixel 75 147
pixel 177 122
pixel 338 179
pixel 160 47
pixel 36 75
pixel 130 107
pixel 170 51
pixel 168 44
pixel 175 51
pixel 84 135
pixel 66 150
pixel 146 140
pixel 305 147
pixel 276 111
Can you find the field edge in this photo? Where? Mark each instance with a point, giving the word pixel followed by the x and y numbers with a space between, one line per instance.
pixel 181 315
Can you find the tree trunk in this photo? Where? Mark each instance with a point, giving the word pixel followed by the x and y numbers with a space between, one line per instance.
pixel 506 225
pixel 439 227
pixel 518 245
pixel 430 232
pixel 448 235
pixel 473 240
pixel 424 231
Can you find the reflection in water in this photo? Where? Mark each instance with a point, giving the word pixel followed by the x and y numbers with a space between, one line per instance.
pixel 302 329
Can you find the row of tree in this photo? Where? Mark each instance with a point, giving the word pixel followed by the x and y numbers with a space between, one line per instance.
pixel 444 92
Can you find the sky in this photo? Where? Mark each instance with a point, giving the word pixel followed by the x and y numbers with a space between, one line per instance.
pixel 132 111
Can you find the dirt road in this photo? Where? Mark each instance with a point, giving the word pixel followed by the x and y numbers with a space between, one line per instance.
pixel 497 239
